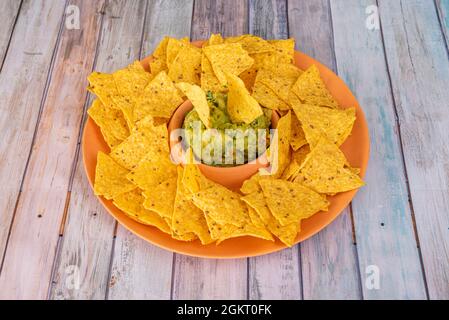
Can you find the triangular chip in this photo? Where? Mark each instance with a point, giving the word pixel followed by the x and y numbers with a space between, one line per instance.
pixel 160 98
pixel 279 154
pixel 252 44
pixel 173 48
pixel 109 120
pixel 317 122
pixel 198 98
pixel 285 49
pixel 214 38
pixel 325 170
pixel 161 198
pixel 310 89
pixel 279 78
pixel 228 58
pixel 187 218
pixel 268 98
pixel 131 203
pixel 110 178
pixel 194 180
pixel 241 106
pixel 297 138
pixel 291 172
pixel 146 136
pixel 209 81
pixel 300 155
pixel 161 50
pixel 187 66
pixel 291 202
pixel 252 184
pixel 103 86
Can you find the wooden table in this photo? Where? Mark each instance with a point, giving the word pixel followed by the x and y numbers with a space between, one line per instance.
pixel 57 242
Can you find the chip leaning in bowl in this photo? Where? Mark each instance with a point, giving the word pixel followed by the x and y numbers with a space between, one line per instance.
pixel 233 83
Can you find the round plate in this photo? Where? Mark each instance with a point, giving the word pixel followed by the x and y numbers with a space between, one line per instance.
pixel 355 148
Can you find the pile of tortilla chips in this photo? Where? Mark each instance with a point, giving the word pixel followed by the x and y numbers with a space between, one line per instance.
pixel 133 107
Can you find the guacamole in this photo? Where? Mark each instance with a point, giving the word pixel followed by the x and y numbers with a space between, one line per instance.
pixel 226 143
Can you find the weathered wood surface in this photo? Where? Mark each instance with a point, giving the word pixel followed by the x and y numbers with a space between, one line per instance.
pixel 73 249
pixel 382 215
pixel 198 278
pixel 418 64
pixel 23 84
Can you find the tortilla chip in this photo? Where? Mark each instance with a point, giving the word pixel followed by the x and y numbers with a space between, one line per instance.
pixel 222 205
pixel 158 65
pixel 291 202
pixel 279 78
pixel 227 58
pixel 146 136
pixel 310 89
pixel 325 170
pixel 194 180
pixel 268 98
pixel 214 38
pixel 252 184
pixel 161 50
pixel 110 139
pixel 103 86
pixel 161 198
pixel 209 81
pixel 173 48
pixel 109 120
pixel 334 124
pixel 241 106
pixel 187 218
pixel 297 138
pixel 292 171
pixel 252 44
pixel 287 234
pixel 159 99
pixel 280 147
pixel 131 204
pixel 300 155
pixel 110 178
pixel 198 98
pixel 285 49
pixel 187 66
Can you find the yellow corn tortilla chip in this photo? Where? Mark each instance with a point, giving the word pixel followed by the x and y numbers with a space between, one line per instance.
pixel 110 178
pixel 285 49
pixel 227 58
pixel 103 86
pixel 300 155
pixel 252 44
pixel 173 48
pixel 194 180
pixel 161 50
pixel 109 120
pixel 146 136
pixel 334 124
pixel 131 203
pixel 187 66
pixel 197 96
pixel 280 147
pixel 297 138
pixel 161 198
pixel 187 218
pixel 241 106
pixel 325 170
pixel 222 205
pixel 279 78
pixel 110 139
pixel 268 98
pixel 292 171
pixel 310 89
pixel 209 81
pixel 287 234
pixel 160 98
pixel 158 65
pixel 252 184
pixel 214 38
pixel 291 202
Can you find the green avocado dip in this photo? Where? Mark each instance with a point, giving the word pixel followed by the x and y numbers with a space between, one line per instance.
pixel 225 143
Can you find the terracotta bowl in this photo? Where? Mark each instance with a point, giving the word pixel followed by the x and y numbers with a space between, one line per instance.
pixel 230 177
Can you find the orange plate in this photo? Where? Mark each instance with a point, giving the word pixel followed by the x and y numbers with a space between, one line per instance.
pixel 355 148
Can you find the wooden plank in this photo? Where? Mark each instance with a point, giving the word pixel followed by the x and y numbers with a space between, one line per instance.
pixel 139 269
pixel 34 234
pixel 88 235
pixel 419 68
pixel 382 215
pixel 277 275
pixel 196 278
pixel 328 260
pixel 27 62
pixel 443 13
pixel 9 9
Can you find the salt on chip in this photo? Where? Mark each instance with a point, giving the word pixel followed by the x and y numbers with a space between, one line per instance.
pixel 325 170
pixel 317 122
pixel 297 138
pixel 287 234
pixel 109 120
pixel 131 203
pixel 160 98
pixel 310 89
pixel 186 67
pixel 187 218
pixel 161 198
pixel 228 58
pixel 291 202
pixel 241 106
pixel 197 96
pixel 145 136
pixel 110 178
